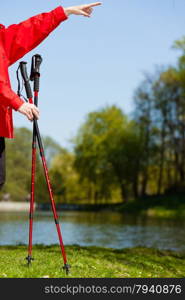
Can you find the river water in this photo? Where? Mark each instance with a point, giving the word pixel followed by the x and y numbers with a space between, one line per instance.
pixel 106 229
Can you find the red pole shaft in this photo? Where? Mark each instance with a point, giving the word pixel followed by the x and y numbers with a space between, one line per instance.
pixel 53 206
pixel 49 185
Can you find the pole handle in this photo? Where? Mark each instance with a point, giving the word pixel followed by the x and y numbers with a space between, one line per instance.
pixel 23 68
pixel 35 71
pixel 36 86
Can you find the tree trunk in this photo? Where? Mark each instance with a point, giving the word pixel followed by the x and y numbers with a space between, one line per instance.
pixel 169 170
pixel 136 187
pixel 161 164
pixel 144 183
pixel 124 193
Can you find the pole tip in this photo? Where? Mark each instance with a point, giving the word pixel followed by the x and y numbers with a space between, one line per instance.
pixel 67 268
pixel 29 259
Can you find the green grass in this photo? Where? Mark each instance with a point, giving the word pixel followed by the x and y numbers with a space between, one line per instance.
pixel 92 262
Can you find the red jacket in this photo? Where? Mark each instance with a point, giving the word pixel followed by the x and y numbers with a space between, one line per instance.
pixel 15 41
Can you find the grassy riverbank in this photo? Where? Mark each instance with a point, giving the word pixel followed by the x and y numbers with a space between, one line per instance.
pixel 91 262
pixel 166 206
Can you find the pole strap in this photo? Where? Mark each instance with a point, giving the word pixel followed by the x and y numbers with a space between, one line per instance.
pixel 19 87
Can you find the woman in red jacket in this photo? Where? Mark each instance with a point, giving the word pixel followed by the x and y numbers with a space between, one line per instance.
pixel 15 41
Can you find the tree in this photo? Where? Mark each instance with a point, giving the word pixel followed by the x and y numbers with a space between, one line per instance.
pixel 66 185
pixel 18 155
pixel 107 153
pixel 144 116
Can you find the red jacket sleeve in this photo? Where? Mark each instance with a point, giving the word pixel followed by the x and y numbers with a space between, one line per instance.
pixel 9 98
pixel 21 38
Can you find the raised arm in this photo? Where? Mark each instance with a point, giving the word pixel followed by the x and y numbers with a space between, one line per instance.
pixel 21 38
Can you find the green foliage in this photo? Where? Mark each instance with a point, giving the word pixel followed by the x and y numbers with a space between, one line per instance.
pixel 51 148
pixel 160 115
pixel 179 44
pixel 18 165
pixel 105 152
pixel 65 179
pixel 92 262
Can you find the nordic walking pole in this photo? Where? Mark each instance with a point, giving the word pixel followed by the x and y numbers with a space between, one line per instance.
pixel 33 169
pixel 34 149
pixel 36 77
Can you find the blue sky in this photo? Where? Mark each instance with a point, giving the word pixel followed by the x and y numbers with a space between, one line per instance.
pixel 90 63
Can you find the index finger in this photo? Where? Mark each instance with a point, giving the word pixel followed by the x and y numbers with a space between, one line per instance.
pixel 93 4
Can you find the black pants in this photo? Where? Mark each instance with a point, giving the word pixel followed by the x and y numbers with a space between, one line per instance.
pixel 2 162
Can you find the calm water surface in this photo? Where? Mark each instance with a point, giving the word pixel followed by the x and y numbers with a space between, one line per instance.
pixel 101 229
